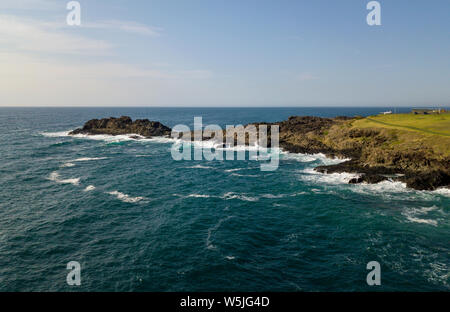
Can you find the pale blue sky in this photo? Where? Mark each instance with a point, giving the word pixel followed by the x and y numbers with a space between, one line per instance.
pixel 224 53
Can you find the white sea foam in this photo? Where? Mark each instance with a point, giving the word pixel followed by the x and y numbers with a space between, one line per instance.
pixel 307 158
pixel 126 198
pixel 199 167
pixel 273 196
pixel 382 187
pixel 438 273
pixel 89 188
pixel 232 195
pixel 442 191
pixel 111 138
pixel 162 140
pixel 418 220
pixel 54 176
pixel 233 170
pixel 330 161
pixel 198 196
pixel 67 165
pixel 298 157
pixel 89 159
pixel 310 175
pixel 55 134
pixel 418 215
pixel 245 175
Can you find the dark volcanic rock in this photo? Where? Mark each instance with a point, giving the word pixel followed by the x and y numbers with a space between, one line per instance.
pixel 368 178
pixel 427 180
pixel 123 125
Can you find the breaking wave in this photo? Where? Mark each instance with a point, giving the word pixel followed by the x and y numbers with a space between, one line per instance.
pixel 89 188
pixel 126 198
pixel 54 176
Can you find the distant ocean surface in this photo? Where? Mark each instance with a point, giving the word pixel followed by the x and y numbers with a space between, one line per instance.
pixel 137 220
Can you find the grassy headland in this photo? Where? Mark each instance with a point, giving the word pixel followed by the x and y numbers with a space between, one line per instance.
pixel 415 147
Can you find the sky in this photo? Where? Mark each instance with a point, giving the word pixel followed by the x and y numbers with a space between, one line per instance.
pixel 244 53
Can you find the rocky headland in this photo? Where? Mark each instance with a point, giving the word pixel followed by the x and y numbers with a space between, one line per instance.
pixel 123 125
pixel 376 152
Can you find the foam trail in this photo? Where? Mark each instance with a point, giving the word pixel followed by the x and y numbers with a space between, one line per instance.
pixel 89 159
pixel 244 175
pixel 236 169
pixel 199 167
pixel 111 138
pixel 231 195
pixel 198 196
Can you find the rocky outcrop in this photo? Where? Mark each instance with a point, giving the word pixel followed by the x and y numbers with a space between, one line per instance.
pixel 123 125
pixel 376 154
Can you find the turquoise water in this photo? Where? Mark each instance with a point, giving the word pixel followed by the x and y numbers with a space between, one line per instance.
pixel 137 220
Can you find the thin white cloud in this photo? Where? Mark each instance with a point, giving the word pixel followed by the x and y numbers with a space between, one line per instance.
pixel 38 68
pixel 32 4
pixel 20 34
pixel 127 26
pixel 34 81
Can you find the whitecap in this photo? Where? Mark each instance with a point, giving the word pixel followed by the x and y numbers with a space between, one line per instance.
pixel 54 176
pixel 199 167
pixel 89 159
pixel 232 195
pixel 198 196
pixel 244 175
pixel 235 169
pixel 273 196
pixel 89 188
pixel 67 165
pixel 418 220
pixel 126 198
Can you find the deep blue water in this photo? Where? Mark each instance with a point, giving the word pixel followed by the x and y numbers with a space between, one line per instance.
pixel 137 220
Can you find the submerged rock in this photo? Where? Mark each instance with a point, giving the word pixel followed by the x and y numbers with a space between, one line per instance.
pixel 123 125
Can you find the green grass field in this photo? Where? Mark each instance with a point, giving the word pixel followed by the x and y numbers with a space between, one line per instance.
pixel 430 124
pixel 413 131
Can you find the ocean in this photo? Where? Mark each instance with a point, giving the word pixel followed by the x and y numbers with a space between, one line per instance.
pixel 137 220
